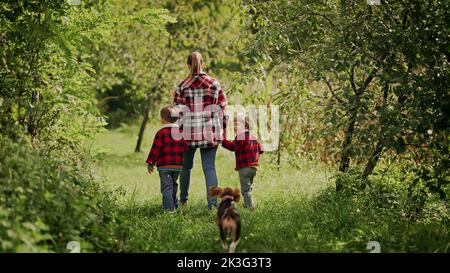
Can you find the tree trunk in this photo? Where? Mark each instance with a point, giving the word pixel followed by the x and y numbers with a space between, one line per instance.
pixel 376 154
pixel 279 156
pixel 373 160
pixel 345 158
pixel 345 151
pixel 146 116
pixel 146 112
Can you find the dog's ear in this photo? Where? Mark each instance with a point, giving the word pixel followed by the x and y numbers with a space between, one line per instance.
pixel 237 194
pixel 215 191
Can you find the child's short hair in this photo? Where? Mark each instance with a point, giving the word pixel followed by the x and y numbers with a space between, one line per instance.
pixel 169 114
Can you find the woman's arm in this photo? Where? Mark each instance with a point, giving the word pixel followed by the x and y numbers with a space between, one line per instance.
pixel 221 101
pixel 221 98
pixel 178 96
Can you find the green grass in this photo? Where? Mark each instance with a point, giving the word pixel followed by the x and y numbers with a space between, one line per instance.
pixel 297 209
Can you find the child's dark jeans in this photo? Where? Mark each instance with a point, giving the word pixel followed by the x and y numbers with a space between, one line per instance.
pixel 169 187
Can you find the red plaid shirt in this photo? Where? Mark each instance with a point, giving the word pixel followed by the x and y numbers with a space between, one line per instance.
pixel 166 151
pixel 202 116
pixel 246 149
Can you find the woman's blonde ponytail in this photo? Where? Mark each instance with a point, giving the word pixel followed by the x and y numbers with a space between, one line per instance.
pixel 195 62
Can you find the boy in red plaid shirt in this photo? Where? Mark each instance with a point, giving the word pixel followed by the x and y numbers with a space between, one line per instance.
pixel 167 154
pixel 247 150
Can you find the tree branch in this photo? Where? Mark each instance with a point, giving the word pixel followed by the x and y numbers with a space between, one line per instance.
pixel 352 79
pixel 317 14
pixel 330 88
pixel 328 19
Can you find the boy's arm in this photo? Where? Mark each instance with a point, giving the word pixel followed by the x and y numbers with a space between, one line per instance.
pixel 154 152
pixel 229 145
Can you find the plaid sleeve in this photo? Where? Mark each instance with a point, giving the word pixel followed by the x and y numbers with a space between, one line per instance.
pixel 229 145
pixel 220 100
pixel 156 147
pixel 178 96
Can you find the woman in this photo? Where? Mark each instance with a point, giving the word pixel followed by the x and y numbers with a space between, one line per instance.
pixel 201 101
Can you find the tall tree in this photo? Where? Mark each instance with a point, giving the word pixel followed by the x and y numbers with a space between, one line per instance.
pixel 212 27
pixel 375 63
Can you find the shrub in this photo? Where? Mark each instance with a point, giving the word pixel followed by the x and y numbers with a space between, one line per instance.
pixel 46 203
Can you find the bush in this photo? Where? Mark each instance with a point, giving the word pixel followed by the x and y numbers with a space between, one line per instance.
pixel 46 203
pixel 386 211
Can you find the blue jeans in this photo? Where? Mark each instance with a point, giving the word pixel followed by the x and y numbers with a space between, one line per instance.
pixel 169 189
pixel 209 170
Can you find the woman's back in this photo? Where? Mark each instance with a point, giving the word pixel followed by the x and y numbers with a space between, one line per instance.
pixel 199 91
pixel 203 102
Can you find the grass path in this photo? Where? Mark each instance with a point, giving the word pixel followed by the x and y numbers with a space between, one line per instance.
pixel 298 210
pixel 271 228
